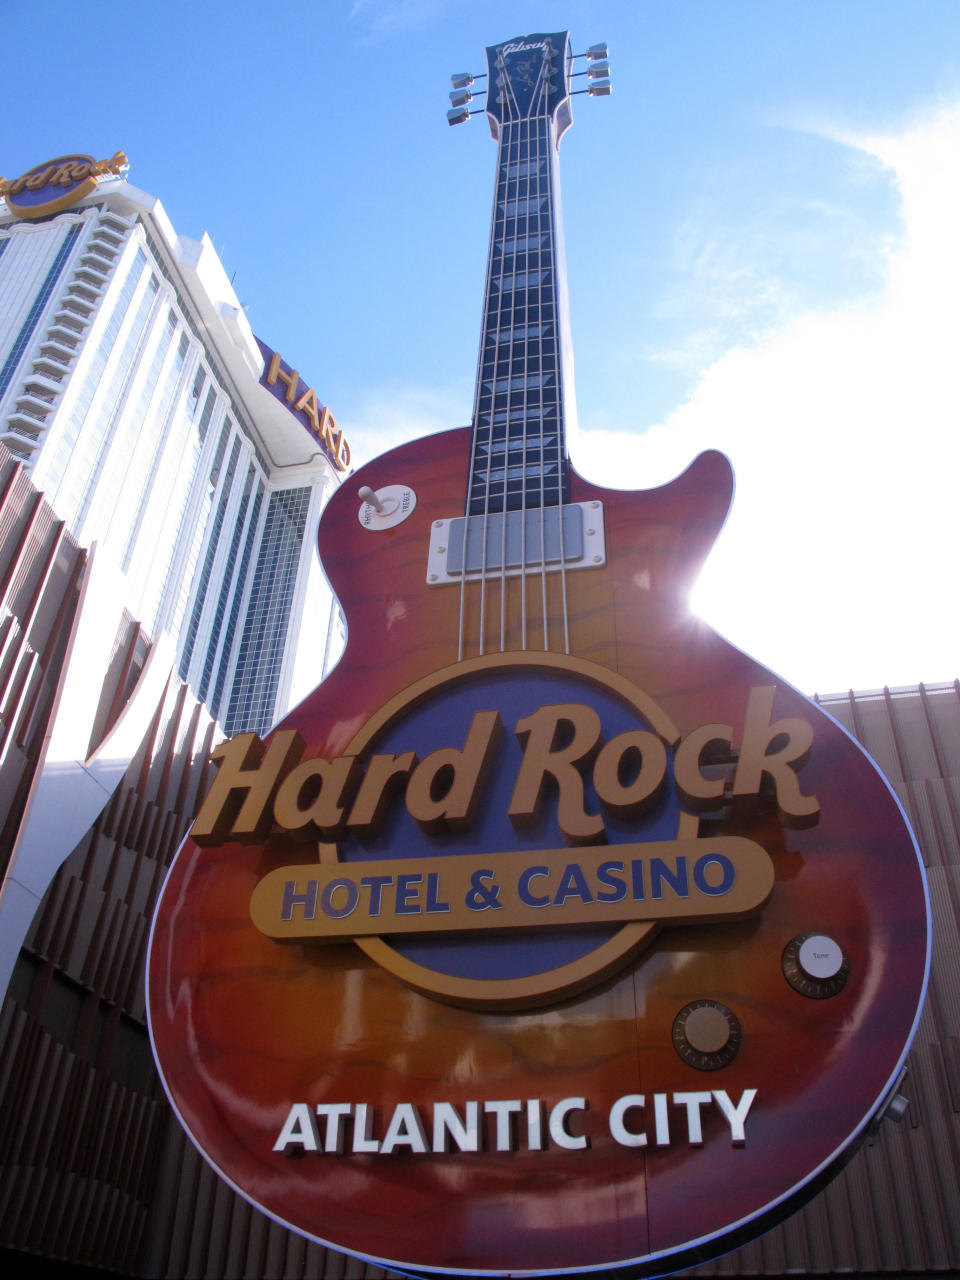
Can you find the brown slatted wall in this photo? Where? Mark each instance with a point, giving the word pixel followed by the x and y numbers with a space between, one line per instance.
pixel 896 1206
pixel 40 572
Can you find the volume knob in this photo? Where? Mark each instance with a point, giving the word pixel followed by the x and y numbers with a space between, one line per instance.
pixel 706 1035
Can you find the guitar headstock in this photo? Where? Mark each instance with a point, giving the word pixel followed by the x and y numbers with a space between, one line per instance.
pixel 528 78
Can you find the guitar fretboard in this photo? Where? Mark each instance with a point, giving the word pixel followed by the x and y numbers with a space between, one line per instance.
pixel 519 448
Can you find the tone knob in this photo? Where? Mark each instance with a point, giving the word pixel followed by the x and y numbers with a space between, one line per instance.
pixel 706 1035
pixel 815 965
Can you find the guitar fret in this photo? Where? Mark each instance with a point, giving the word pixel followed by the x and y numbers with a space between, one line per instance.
pixel 520 379
pixel 519 333
pixel 522 243
pixel 521 280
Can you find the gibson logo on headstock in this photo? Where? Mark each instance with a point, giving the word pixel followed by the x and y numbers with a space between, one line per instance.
pixel 518 45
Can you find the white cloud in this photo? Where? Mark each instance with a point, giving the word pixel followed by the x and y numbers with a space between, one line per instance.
pixel 836 567
pixel 388 17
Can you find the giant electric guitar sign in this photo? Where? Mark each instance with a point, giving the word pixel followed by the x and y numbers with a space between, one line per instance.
pixel 551 933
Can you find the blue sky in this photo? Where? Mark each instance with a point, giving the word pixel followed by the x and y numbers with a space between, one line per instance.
pixel 759 225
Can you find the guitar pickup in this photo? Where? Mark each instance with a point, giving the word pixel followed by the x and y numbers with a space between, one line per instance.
pixel 514 542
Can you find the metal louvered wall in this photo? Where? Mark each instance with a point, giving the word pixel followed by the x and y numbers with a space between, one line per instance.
pixel 40 571
pixel 94 1168
pixel 895 1208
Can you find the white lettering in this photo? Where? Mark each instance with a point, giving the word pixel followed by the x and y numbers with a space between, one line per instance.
pixel 558 1132
pixel 363 1142
pixel 618 1129
pixel 465 1133
pixel 299 1130
pixel 735 1115
pixel 503 1111
pixel 334 1113
pixel 693 1102
pixel 534 1125
pixel 458 1127
pixel 405 1130
pixel 661 1119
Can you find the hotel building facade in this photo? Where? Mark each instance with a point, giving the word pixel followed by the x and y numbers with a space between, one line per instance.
pixel 129 390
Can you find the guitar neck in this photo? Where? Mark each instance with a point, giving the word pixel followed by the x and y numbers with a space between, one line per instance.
pixel 524 380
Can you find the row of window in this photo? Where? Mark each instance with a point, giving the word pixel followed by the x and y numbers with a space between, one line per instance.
pixel 42 297
pixel 265 626
pixel 226 585
pixel 221 381
pixel 237 600
pixel 67 447
pixel 212 545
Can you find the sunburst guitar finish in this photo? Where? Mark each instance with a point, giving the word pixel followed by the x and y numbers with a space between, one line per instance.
pixel 511 1015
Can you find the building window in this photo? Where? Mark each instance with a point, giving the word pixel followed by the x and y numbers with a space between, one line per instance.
pixel 264 638
pixel 207 570
pixel 36 309
pixel 66 450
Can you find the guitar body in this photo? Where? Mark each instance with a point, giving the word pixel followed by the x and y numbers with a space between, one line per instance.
pixel 246 1025
pixel 399 629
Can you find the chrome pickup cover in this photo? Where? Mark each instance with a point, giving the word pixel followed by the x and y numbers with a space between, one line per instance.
pixel 530 538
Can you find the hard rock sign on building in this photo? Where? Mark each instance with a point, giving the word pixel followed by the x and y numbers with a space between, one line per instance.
pixel 550 933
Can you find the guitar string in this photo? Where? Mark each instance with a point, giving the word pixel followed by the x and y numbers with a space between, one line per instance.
pixel 503 160
pixel 502 178
pixel 503 169
pixel 523 169
pixel 553 223
pixel 540 157
pixel 542 515
pixel 485 329
pixel 525 434
pixel 537 154
pixel 512 158
pixel 534 298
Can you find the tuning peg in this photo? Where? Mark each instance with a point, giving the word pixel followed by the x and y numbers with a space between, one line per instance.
pixel 597 51
pixel 462 80
pixel 598 69
pixel 458 115
pixel 599 89
pixel 460 97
